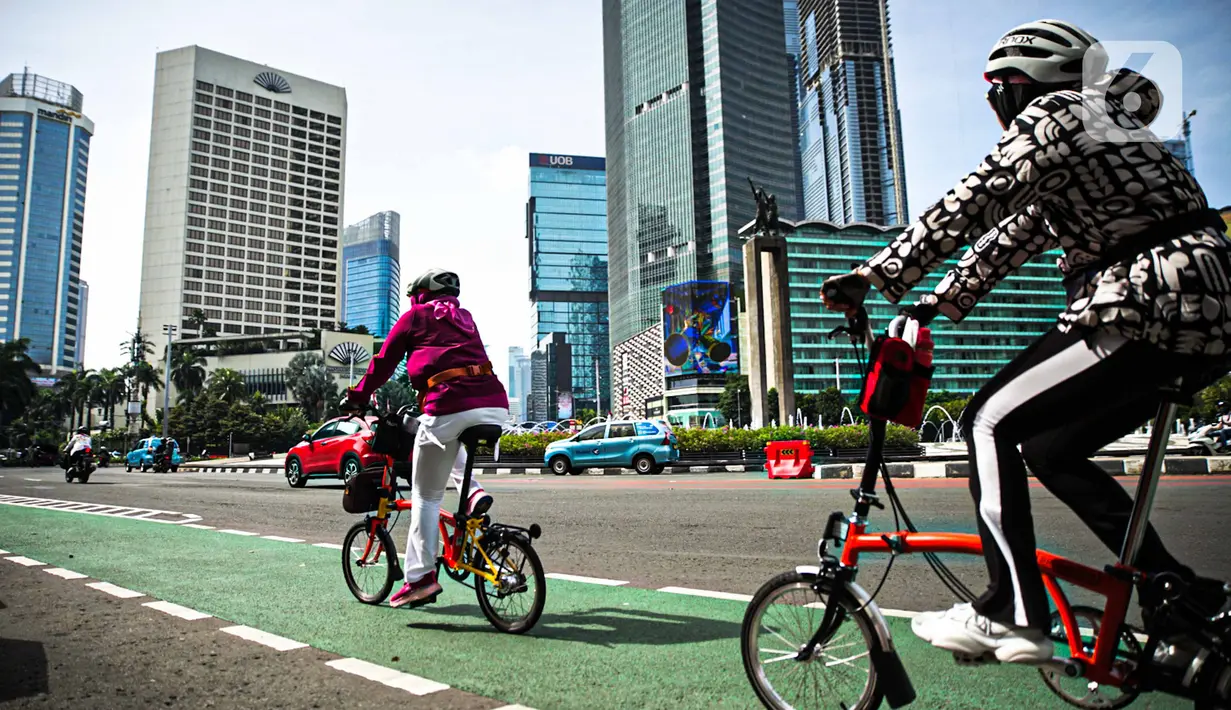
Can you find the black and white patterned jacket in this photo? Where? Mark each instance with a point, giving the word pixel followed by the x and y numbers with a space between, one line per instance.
pixel 1052 183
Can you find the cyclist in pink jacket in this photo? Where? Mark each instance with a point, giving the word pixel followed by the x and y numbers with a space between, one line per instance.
pixel 447 364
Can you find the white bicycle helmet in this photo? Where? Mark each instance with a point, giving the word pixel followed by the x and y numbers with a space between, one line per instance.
pixel 436 282
pixel 1047 52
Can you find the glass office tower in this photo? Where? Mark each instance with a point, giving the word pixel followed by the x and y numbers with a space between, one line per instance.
pixel 44 153
pixel 566 228
pixel 371 275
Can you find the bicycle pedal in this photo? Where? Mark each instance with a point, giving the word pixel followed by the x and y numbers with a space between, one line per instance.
pixel 986 659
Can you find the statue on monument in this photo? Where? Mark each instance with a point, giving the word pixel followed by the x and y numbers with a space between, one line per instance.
pixel 767 210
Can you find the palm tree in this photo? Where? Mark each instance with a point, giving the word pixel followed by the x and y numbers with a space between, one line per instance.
pixel 73 388
pixel 112 388
pixel 227 385
pixel 16 387
pixel 187 374
pixel 146 378
pixel 138 346
pixel 392 396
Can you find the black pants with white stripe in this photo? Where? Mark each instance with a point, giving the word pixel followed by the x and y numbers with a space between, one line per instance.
pixel 1061 401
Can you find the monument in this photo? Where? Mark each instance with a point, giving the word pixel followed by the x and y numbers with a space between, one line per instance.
pixel 768 308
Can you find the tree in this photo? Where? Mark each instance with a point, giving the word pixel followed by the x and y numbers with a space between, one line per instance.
pixel 829 404
pixel 394 395
pixel 772 408
pixel 227 385
pixel 360 329
pixel 16 387
pixel 585 415
pixel 138 346
pixel 145 378
pixel 298 366
pixel 75 389
pixel 735 402
pixel 187 373
pixel 111 388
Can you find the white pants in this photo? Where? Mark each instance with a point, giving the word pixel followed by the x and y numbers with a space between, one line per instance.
pixel 437 454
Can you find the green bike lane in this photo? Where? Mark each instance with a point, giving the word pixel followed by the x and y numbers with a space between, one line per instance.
pixel 595 646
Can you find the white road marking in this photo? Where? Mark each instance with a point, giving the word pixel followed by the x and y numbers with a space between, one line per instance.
pixel 328 545
pixel 114 511
pixel 4 552
pixel 412 684
pixel 514 707
pixel 278 643
pixel 35 480
pixel 197 526
pixel 706 593
pixel 278 538
pixel 176 610
pixel 115 591
pixel 64 573
pixel 239 532
pixel 24 561
pixel 587 580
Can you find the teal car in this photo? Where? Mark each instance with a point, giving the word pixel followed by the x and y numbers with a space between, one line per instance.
pixel 644 446
pixel 142 456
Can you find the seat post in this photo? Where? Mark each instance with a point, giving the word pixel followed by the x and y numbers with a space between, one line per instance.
pixel 1143 499
pixel 464 493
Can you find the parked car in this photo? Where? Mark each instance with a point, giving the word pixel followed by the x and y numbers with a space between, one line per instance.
pixel 644 446
pixel 142 456
pixel 339 449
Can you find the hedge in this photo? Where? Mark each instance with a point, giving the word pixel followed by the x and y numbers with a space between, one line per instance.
pixel 851 436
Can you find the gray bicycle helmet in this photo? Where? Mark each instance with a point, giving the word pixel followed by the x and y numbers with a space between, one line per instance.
pixel 1047 52
pixel 437 282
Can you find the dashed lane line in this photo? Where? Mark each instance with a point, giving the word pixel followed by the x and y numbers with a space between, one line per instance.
pixel 585 580
pixel 278 643
pixel 64 573
pixel 328 545
pixel 243 533
pixel 278 538
pixel 412 684
pixel 115 591
pixel 24 561
pixel 706 593
pixel 198 526
pixel 514 707
pixel 176 610
pixel 115 511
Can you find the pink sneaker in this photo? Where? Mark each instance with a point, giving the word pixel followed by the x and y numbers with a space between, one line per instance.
pixel 480 502
pixel 416 591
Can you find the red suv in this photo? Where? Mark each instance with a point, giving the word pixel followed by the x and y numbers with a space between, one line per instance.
pixel 339 449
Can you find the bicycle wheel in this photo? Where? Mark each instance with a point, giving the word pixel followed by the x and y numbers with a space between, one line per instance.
pixel 780 620
pixel 367 552
pixel 516 605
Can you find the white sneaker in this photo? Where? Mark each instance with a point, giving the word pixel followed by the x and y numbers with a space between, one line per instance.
pixel 970 634
pixel 923 623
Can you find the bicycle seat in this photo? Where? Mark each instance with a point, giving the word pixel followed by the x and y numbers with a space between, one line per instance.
pixel 481 435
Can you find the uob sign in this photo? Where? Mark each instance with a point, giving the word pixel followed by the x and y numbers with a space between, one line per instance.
pixel 560 160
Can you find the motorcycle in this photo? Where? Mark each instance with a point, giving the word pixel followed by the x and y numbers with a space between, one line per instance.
pixel 104 458
pixel 162 462
pixel 1203 442
pixel 79 466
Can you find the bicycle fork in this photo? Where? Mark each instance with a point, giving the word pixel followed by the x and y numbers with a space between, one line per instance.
pixel 840 588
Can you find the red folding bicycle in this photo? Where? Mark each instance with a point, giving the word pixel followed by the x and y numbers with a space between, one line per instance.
pixel 812 637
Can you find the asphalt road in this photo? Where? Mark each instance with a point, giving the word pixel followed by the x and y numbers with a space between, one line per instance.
pixel 727 533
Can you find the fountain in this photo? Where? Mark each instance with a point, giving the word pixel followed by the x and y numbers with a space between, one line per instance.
pixel 708 421
pixel 956 430
pixel 846 411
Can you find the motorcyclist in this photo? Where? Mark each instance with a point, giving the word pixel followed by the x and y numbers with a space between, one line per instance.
pixel 1148 272
pixel 76 446
pixel 1222 426
pixel 448 365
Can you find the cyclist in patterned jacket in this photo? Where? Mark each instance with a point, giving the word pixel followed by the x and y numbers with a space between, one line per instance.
pixel 1148 271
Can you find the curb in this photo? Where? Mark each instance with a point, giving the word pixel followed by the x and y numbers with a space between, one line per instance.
pixel 1177 466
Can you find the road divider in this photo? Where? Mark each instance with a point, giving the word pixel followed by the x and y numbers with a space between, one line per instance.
pixel 64 573
pixel 120 592
pixel 180 612
pixel 412 684
pixel 24 561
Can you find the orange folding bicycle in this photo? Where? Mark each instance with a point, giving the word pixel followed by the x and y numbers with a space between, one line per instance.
pixel 812 637
pixel 508 577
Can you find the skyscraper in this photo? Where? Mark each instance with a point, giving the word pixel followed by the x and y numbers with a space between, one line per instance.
pixel 371 274
pixel 850 138
pixel 698 100
pixel 566 227
pixel 244 197
pixel 44 153
pixel 518 383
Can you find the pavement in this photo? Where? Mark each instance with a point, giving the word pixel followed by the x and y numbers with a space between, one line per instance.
pixel 656 576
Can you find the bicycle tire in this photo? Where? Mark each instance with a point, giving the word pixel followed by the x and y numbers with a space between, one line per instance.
pixel 869 698
pixel 499 553
pixel 387 549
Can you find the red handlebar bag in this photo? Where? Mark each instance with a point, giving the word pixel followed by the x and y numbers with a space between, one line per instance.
pixel 896 386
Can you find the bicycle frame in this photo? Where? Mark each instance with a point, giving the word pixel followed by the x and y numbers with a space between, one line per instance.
pixel 456 539
pixel 1115 582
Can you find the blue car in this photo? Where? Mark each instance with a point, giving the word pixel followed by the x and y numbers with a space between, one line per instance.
pixel 142 456
pixel 646 447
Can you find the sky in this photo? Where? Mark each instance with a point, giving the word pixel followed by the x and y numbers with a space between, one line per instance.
pixel 446 100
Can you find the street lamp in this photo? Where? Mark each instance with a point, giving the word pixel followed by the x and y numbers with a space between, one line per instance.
pixel 166 387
